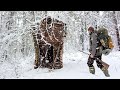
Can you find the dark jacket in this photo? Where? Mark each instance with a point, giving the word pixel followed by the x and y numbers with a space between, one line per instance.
pixel 95 49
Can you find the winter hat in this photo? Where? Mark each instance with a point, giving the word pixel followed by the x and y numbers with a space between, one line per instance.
pixel 90 29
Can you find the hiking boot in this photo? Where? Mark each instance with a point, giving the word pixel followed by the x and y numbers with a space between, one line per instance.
pixel 35 67
pixel 105 71
pixel 92 70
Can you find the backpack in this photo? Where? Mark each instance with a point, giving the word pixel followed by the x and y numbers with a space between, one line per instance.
pixel 105 40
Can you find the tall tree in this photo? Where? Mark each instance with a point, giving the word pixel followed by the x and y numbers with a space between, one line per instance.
pixel 116 28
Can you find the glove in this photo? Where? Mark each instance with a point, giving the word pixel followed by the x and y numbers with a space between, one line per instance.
pixel 91 56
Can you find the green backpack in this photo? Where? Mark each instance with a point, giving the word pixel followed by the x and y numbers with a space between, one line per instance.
pixel 105 40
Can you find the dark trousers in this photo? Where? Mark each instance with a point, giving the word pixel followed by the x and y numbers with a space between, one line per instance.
pixel 91 61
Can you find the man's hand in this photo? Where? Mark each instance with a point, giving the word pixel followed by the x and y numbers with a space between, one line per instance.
pixel 91 56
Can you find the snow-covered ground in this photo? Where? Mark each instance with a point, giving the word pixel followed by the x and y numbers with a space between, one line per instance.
pixel 17 46
pixel 75 67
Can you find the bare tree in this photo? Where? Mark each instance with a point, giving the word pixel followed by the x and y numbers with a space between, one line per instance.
pixel 116 28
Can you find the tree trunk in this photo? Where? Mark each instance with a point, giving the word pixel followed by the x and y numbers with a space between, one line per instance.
pixel 82 35
pixel 117 31
pixel 37 51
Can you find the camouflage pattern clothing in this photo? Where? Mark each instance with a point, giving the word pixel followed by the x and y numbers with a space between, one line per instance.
pixel 96 51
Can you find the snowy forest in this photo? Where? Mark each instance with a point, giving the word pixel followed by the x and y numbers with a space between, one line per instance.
pixel 17 51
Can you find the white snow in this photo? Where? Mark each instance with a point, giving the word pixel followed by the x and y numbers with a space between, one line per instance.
pixel 101 13
pixel 75 67
pixel 17 47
